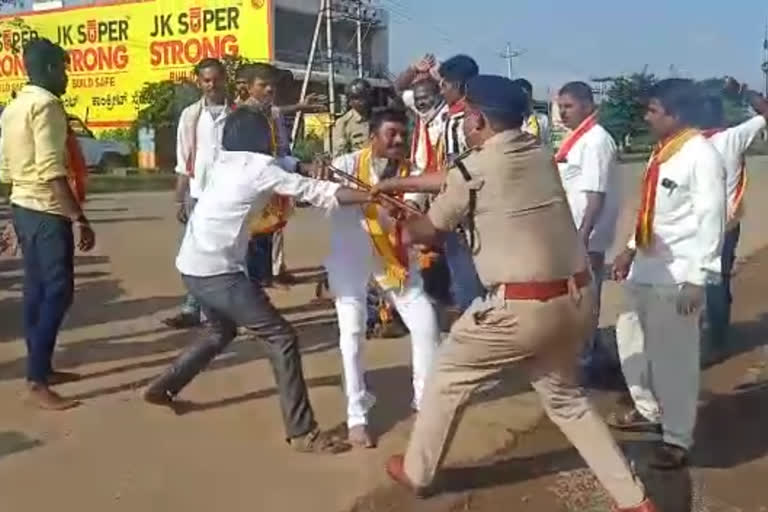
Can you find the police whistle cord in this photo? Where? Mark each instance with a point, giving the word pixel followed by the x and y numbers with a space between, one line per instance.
pixel 364 186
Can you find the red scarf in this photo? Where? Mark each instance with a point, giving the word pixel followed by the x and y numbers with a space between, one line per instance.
pixel 78 171
pixel 420 127
pixel 663 151
pixel 570 141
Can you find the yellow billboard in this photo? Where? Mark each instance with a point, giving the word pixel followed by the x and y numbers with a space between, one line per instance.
pixel 116 47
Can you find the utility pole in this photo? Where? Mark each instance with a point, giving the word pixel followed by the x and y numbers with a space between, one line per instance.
pixel 331 67
pixel 508 55
pixel 764 65
pixel 308 70
pixel 359 34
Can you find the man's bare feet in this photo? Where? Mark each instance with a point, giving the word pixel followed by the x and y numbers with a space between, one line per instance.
pixel 56 378
pixel 360 437
pixel 40 395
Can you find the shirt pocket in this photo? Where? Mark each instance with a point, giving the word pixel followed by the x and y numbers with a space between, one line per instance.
pixel 671 195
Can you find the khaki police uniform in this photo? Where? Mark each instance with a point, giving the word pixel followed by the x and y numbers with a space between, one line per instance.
pixel 350 133
pixel 525 246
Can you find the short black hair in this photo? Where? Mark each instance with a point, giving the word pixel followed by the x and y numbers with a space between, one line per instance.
pixel 679 96
pixel 247 129
pixel 711 114
pixel 257 70
pixel 579 91
pixel 503 102
pixel 39 55
pixel 459 69
pixel 524 85
pixel 427 82
pixel 210 63
pixel 382 115
pixel 359 83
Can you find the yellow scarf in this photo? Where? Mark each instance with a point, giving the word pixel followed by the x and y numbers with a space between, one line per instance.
pixel 663 151
pixel 388 245
pixel 532 125
pixel 275 215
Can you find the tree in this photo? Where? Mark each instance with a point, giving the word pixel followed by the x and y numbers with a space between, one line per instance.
pixel 623 111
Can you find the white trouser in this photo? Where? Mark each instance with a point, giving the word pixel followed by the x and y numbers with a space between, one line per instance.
pixel 659 351
pixel 419 317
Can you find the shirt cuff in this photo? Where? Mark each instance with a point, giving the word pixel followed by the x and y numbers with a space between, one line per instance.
pixel 287 163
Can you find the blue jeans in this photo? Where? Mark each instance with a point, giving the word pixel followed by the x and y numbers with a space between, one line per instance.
pixel 593 357
pixel 258 260
pixel 48 250
pixel 465 284
pixel 719 296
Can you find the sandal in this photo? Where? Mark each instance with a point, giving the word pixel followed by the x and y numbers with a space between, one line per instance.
pixel 669 457
pixel 632 421
pixel 183 321
pixel 319 442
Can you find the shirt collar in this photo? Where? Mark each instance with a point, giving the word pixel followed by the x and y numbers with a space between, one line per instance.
pixel 36 89
pixel 514 139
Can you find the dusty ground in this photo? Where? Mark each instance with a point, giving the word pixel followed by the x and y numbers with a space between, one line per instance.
pixel 116 454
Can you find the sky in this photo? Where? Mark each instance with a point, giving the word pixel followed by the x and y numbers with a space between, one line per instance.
pixel 700 39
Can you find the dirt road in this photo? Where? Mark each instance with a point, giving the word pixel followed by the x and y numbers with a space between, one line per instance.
pixel 117 454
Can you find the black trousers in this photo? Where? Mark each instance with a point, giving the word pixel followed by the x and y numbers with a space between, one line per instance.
pixel 229 301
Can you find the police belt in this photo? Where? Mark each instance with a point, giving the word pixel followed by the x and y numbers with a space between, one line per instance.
pixel 543 290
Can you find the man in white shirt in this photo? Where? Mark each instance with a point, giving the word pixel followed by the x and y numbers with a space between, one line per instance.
pixel 198 142
pixel 365 245
pixel 212 263
pixel 587 161
pixel 732 144
pixel 674 254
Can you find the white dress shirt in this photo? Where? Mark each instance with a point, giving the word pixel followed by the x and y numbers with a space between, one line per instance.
pixel 209 132
pixel 591 166
pixel 241 185
pixel 688 221
pixel 352 251
pixel 732 144
pixel 435 128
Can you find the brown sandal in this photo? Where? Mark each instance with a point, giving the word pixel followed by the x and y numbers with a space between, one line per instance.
pixel 632 421
pixel 319 442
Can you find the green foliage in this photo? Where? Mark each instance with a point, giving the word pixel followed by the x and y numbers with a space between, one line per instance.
pixel 307 147
pixel 159 104
pixel 623 111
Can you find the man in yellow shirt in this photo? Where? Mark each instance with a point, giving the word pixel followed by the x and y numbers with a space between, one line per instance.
pixel 35 162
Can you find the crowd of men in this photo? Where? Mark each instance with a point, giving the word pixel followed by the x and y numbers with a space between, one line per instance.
pixel 470 211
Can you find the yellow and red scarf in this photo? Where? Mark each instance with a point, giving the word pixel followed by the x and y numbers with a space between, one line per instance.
pixel 735 206
pixel 275 215
pixel 76 166
pixel 574 137
pixel 663 151
pixel 388 245
pixel 421 136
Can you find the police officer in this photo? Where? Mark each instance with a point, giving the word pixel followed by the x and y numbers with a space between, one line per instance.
pixel 539 304
pixel 351 131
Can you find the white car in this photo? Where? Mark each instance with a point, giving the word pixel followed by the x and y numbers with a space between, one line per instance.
pixel 99 154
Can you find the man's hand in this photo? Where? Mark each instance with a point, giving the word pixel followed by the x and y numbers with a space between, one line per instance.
pixel 86 237
pixel 316 99
pixel 690 299
pixel 8 241
pixel 320 169
pixel 732 87
pixel 622 263
pixel 387 186
pixel 584 237
pixel 181 213
pixel 425 64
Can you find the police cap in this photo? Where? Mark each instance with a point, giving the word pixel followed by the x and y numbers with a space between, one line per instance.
pixel 498 97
